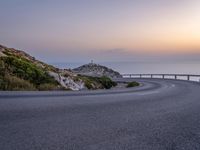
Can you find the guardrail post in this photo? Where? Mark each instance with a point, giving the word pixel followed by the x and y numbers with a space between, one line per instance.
pixel 151 76
pixel 140 76
pixel 175 76
pixel 188 77
pixel 130 75
pixel 163 76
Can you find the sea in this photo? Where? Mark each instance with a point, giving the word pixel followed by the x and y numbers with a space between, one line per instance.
pixel 145 67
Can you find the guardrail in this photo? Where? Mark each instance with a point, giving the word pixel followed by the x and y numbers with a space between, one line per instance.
pixel 164 76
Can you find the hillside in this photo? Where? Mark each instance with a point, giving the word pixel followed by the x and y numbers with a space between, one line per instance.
pixel 96 70
pixel 20 71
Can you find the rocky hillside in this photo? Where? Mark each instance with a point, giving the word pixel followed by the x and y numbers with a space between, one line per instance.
pixel 96 70
pixel 20 71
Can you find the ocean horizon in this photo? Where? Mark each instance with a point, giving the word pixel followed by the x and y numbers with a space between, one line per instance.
pixel 184 67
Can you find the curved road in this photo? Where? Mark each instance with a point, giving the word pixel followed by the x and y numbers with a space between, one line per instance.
pixel 159 115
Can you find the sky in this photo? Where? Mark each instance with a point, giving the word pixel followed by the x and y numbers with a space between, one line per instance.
pixel 102 30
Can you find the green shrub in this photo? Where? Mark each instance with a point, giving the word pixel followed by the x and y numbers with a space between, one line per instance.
pixel 13 83
pixel 89 85
pixel 107 82
pixel 26 70
pixel 20 74
pixel 2 68
pixel 47 87
pixel 97 82
pixel 132 84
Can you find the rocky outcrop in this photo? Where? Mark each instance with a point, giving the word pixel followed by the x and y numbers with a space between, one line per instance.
pixel 67 82
pixel 96 70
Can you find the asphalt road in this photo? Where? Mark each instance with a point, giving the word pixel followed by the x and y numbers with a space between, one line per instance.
pixel 159 115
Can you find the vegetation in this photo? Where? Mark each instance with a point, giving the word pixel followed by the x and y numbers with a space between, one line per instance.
pixel 132 84
pixel 97 82
pixel 106 82
pixel 47 87
pixel 20 74
pixel 15 84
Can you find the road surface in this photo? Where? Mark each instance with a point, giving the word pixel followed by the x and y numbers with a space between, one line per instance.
pixel 159 115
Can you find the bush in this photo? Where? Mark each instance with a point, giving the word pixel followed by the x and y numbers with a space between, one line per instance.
pixel 107 82
pixel 89 85
pixel 47 87
pixel 2 68
pixel 25 70
pixel 132 84
pixel 13 83
pixel 97 82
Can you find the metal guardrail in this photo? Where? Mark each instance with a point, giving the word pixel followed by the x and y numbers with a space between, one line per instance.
pixel 163 76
